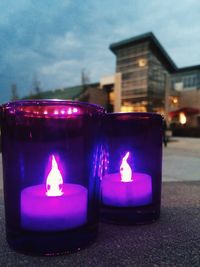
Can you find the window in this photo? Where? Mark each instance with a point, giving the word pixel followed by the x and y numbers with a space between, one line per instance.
pixel 184 81
pixel 142 62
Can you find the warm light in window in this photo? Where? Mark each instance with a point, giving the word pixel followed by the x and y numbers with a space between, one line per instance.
pixel 112 97
pixel 182 118
pixel 142 62
pixel 126 108
pixel 174 100
pixel 135 108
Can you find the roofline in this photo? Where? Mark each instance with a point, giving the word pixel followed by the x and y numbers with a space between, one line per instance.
pixel 149 36
pixel 60 89
pixel 129 40
pixel 188 68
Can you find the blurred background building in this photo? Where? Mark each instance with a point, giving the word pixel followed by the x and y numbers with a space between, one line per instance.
pixel 146 80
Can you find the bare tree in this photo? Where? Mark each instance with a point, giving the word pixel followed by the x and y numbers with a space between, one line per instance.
pixel 36 84
pixel 85 79
pixel 14 93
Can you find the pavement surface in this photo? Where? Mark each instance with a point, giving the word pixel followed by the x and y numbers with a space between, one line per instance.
pixel 181 160
pixel 174 240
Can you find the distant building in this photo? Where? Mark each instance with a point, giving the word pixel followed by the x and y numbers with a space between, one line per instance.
pixel 91 93
pixel 144 66
pixel 185 95
pixel 146 80
pixel 151 82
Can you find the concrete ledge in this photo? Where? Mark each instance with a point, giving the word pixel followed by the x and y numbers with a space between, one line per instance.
pixel 172 241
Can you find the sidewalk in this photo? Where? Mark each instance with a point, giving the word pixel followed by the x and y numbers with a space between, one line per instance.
pixel 181 160
pixel 174 240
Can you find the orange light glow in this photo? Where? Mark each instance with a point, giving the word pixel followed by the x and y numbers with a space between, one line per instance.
pixel 142 62
pixel 54 180
pixel 175 100
pixel 182 118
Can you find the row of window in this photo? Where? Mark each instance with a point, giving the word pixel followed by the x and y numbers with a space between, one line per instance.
pixel 132 58
pixel 158 85
pixel 156 93
pixel 140 74
pixel 134 84
pixel 134 92
pixel 131 68
pixel 132 49
pixel 133 108
pixel 186 81
pixel 156 75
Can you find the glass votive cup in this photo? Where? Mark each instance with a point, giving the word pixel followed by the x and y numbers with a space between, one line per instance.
pixel 50 151
pixel 131 183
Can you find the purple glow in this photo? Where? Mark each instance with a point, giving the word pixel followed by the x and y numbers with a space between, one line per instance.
pixel 55 111
pixel 121 190
pixel 42 213
pixel 53 207
pixel 135 193
pixel 69 111
pixel 125 169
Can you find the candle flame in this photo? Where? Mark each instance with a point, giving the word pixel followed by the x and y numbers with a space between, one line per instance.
pixel 54 180
pixel 125 169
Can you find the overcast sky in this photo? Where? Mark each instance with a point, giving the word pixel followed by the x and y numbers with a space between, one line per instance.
pixel 55 39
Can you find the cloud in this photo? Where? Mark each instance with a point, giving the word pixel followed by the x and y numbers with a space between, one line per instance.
pixel 58 66
pixel 63 45
pixel 57 39
pixel 61 73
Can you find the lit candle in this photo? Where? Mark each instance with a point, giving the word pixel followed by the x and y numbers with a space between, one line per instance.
pixel 126 189
pixel 54 206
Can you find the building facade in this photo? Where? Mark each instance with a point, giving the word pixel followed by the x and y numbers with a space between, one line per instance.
pixel 185 96
pixel 146 80
pixel 145 67
pixel 151 81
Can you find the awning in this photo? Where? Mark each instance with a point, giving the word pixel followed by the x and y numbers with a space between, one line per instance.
pixel 185 110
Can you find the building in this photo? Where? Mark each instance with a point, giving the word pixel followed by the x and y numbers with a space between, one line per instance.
pixel 185 96
pixel 91 93
pixel 146 80
pixel 151 82
pixel 144 66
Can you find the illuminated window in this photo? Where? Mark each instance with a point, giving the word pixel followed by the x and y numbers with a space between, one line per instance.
pixel 112 98
pixel 128 107
pixel 142 62
pixel 174 100
pixel 182 118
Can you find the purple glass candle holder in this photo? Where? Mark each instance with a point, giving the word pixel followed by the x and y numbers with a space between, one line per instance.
pixel 51 151
pixel 131 184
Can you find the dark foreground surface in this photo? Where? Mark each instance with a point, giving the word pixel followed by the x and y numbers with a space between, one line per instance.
pixel 172 241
